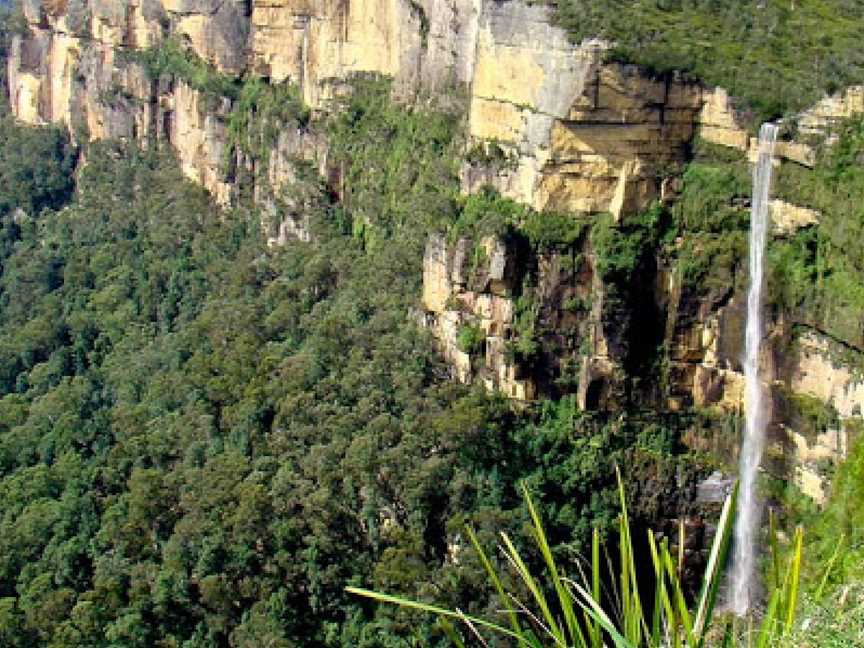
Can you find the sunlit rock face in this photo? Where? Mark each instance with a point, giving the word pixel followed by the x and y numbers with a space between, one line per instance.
pixel 578 135
pixel 596 143
pixel 548 123
pixel 573 133
pixel 458 295
pixel 570 132
pixel 73 69
pixel 426 44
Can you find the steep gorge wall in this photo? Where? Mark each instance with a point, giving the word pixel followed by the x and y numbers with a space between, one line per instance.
pixel 578 135
pixel 549 124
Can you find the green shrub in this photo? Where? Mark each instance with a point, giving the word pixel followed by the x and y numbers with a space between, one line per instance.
pixel 262 110
pixel 36 167
pixel 838 531
pixel 400 164
pixel 490 153
pixel 471 339
pixel 487 213
pixel 552 231
pixel 620 247
pixel 819 271
pixel 171 57
pixel 711 197
pixel 576 304
pixel 708 261
pixel 525 344
pixel 832 622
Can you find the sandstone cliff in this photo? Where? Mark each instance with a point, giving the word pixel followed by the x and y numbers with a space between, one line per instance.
pixel 579 135
pixel 549 124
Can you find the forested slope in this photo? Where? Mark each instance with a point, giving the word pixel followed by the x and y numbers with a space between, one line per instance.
pixel 203 440
pixel 776 57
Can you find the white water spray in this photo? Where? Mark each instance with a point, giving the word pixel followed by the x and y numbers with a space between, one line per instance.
pixel 747 522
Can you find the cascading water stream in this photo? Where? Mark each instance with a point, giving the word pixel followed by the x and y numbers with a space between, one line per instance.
pixel 747 521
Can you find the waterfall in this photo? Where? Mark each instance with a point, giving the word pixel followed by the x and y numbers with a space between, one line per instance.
pixel 747 522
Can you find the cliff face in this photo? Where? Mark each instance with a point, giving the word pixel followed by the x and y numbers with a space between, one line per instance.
pixel 72 69
pixel 549 124
pixel 577 135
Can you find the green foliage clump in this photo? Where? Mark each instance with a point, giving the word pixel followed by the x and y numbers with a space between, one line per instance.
pixel 621 247
pixel 818 273
pixel 710 200
pixel 36 167
pixel 712 219
pixel 707 261
pixel 836 536
pixel 552 231
pixel 398 165
pixel 777 56
pixel 576 304
pixel 261 111
pixel 817 415
pixel 488 213
pixel 489 153
pixel 832 622
pixel 470 339
pixel 525 345
pixel 170 57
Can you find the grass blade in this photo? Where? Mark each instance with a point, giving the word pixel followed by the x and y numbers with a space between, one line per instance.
pixel 432 609
pixel 716 559
pixel 496 582
pixel 524 573
pixel 661 599
pixel 793 580
pixel 564 599
pixel 450 631
pixel 593 624
pixel 775 549
pixel 683 614
pixel 594 609
pixel 633 619
pixel 824 580
pixel 769 621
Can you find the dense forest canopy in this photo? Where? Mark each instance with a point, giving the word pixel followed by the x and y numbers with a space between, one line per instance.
pixel 776 56
pixel 203 439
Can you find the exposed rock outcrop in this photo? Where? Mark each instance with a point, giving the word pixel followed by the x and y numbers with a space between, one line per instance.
pixel 787 218
pixel 549 124
pixel 576 134
pixel 595 144
pixel 822 117
pixel 76 72
pixel 420 44
pixel 468 297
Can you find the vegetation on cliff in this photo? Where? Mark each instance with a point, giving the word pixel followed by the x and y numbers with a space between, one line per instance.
pixel 777 56
pixel 202 440
pixel 818 274
pixel 172 59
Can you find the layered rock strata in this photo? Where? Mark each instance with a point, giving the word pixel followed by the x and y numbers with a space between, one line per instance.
pixel 549 124
pixel 574 134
